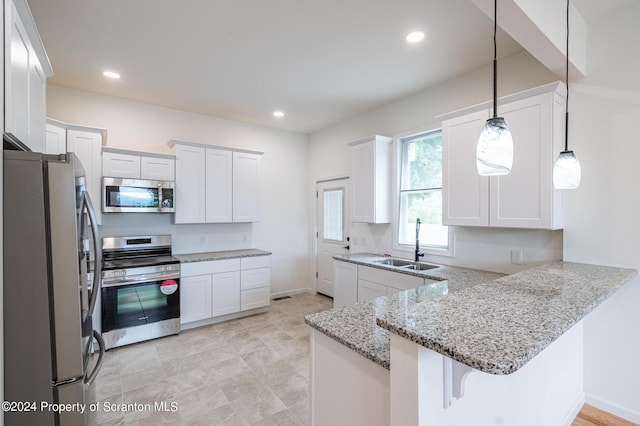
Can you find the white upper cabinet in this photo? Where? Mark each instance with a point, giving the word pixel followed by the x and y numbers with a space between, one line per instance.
pixel 55 141
pixel 126 164
pixel 190 184
pixel 525 198
pixel 465 193
pixel 216 185
pixel 87 145
pixel 26 68
pixel 370 173
pixel 246 187
pixel 219 185
pixel 157 167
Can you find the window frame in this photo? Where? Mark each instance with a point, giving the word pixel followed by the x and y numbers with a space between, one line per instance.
pixel 430 250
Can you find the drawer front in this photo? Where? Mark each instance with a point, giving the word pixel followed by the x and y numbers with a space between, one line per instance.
pixel 255 298
pixel 255 262
pixel 389 278
pixel 209 267
pixel 255 278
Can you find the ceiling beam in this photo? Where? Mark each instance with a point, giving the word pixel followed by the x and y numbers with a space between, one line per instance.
pixel 539 26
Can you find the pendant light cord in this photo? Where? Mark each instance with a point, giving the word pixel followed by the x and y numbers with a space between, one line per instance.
pixel 566 82
pixel 495 62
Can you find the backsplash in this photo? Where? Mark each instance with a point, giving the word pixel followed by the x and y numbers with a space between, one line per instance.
pixel 190 238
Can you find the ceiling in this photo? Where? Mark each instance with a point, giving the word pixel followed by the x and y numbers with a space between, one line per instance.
pixel 320 62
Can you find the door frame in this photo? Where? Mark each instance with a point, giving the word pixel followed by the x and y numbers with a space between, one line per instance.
pixel 316 227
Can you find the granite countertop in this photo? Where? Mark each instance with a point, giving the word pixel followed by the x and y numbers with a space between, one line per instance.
pixel 220 255
pixel 498 326
pixel 355 326
pixel 488 321
pixel 456 276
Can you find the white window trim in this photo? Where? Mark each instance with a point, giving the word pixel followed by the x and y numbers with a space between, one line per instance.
pixel 397 158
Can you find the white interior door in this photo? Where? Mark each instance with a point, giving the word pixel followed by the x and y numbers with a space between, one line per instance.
pixel 332 230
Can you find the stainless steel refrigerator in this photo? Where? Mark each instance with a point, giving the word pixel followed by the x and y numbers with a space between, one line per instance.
pixel 50 285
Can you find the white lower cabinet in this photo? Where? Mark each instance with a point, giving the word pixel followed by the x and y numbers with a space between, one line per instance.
pixel 215 288
pixel 254 298
pixel 195 298
pixel 356 283
pixel 255 282
pixel 368 290
pixel 375 282
pixel 225 292
pixel 345 278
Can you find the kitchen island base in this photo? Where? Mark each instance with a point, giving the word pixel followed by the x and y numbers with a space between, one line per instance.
pixel 348 388
pixel 548 390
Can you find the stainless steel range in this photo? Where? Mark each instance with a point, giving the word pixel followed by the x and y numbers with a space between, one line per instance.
pixel 140 289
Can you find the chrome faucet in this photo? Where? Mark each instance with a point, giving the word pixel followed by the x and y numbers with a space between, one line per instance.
pixel 418 255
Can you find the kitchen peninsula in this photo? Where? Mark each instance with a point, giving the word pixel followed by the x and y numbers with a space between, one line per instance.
pixel 520 335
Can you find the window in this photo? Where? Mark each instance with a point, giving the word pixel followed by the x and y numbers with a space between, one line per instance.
pixel 421 191
pixel 333 226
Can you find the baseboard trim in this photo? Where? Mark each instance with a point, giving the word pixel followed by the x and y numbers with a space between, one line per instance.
pixel 575 409
pixel 292 292
pixel 602 404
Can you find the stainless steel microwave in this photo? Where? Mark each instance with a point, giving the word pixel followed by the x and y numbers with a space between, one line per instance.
pixel 137 196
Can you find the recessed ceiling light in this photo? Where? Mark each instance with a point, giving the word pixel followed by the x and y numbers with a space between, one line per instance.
pixel 415 37
pixel 278 114
pixel 111 74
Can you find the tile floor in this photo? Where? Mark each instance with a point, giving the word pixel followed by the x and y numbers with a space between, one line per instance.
pixel 253 370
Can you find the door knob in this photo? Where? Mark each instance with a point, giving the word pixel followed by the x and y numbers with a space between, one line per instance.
pixel 346 247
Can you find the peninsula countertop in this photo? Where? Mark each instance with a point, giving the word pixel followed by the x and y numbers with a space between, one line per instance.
pixel 355 326
pixel 492 324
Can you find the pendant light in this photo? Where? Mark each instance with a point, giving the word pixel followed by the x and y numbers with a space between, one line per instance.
pixel 494 153
pixel 566 171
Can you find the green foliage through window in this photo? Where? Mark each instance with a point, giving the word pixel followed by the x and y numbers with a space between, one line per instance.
pixel 421 190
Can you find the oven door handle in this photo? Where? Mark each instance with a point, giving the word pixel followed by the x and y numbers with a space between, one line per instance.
pixel 136 280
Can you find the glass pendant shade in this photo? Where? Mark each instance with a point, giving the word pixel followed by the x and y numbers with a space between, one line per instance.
pixel 494 154
pixel 566 171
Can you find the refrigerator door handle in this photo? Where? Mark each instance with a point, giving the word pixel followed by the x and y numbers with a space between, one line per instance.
pixel 97 274
pixel 90 377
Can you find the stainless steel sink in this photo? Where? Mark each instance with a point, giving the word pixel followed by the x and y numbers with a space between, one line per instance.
pixel 405 264
pixel 393 262
pixel 420 266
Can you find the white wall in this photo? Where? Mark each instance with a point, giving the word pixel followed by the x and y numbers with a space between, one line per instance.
pixel 602 215
pixel 144 127
pixel 480 248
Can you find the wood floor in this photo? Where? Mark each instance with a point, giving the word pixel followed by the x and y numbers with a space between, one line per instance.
pixel 591 416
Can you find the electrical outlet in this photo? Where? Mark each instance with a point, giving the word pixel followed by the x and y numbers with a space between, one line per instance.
pixel 517 257
pixel 244 238
pixel 203 239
